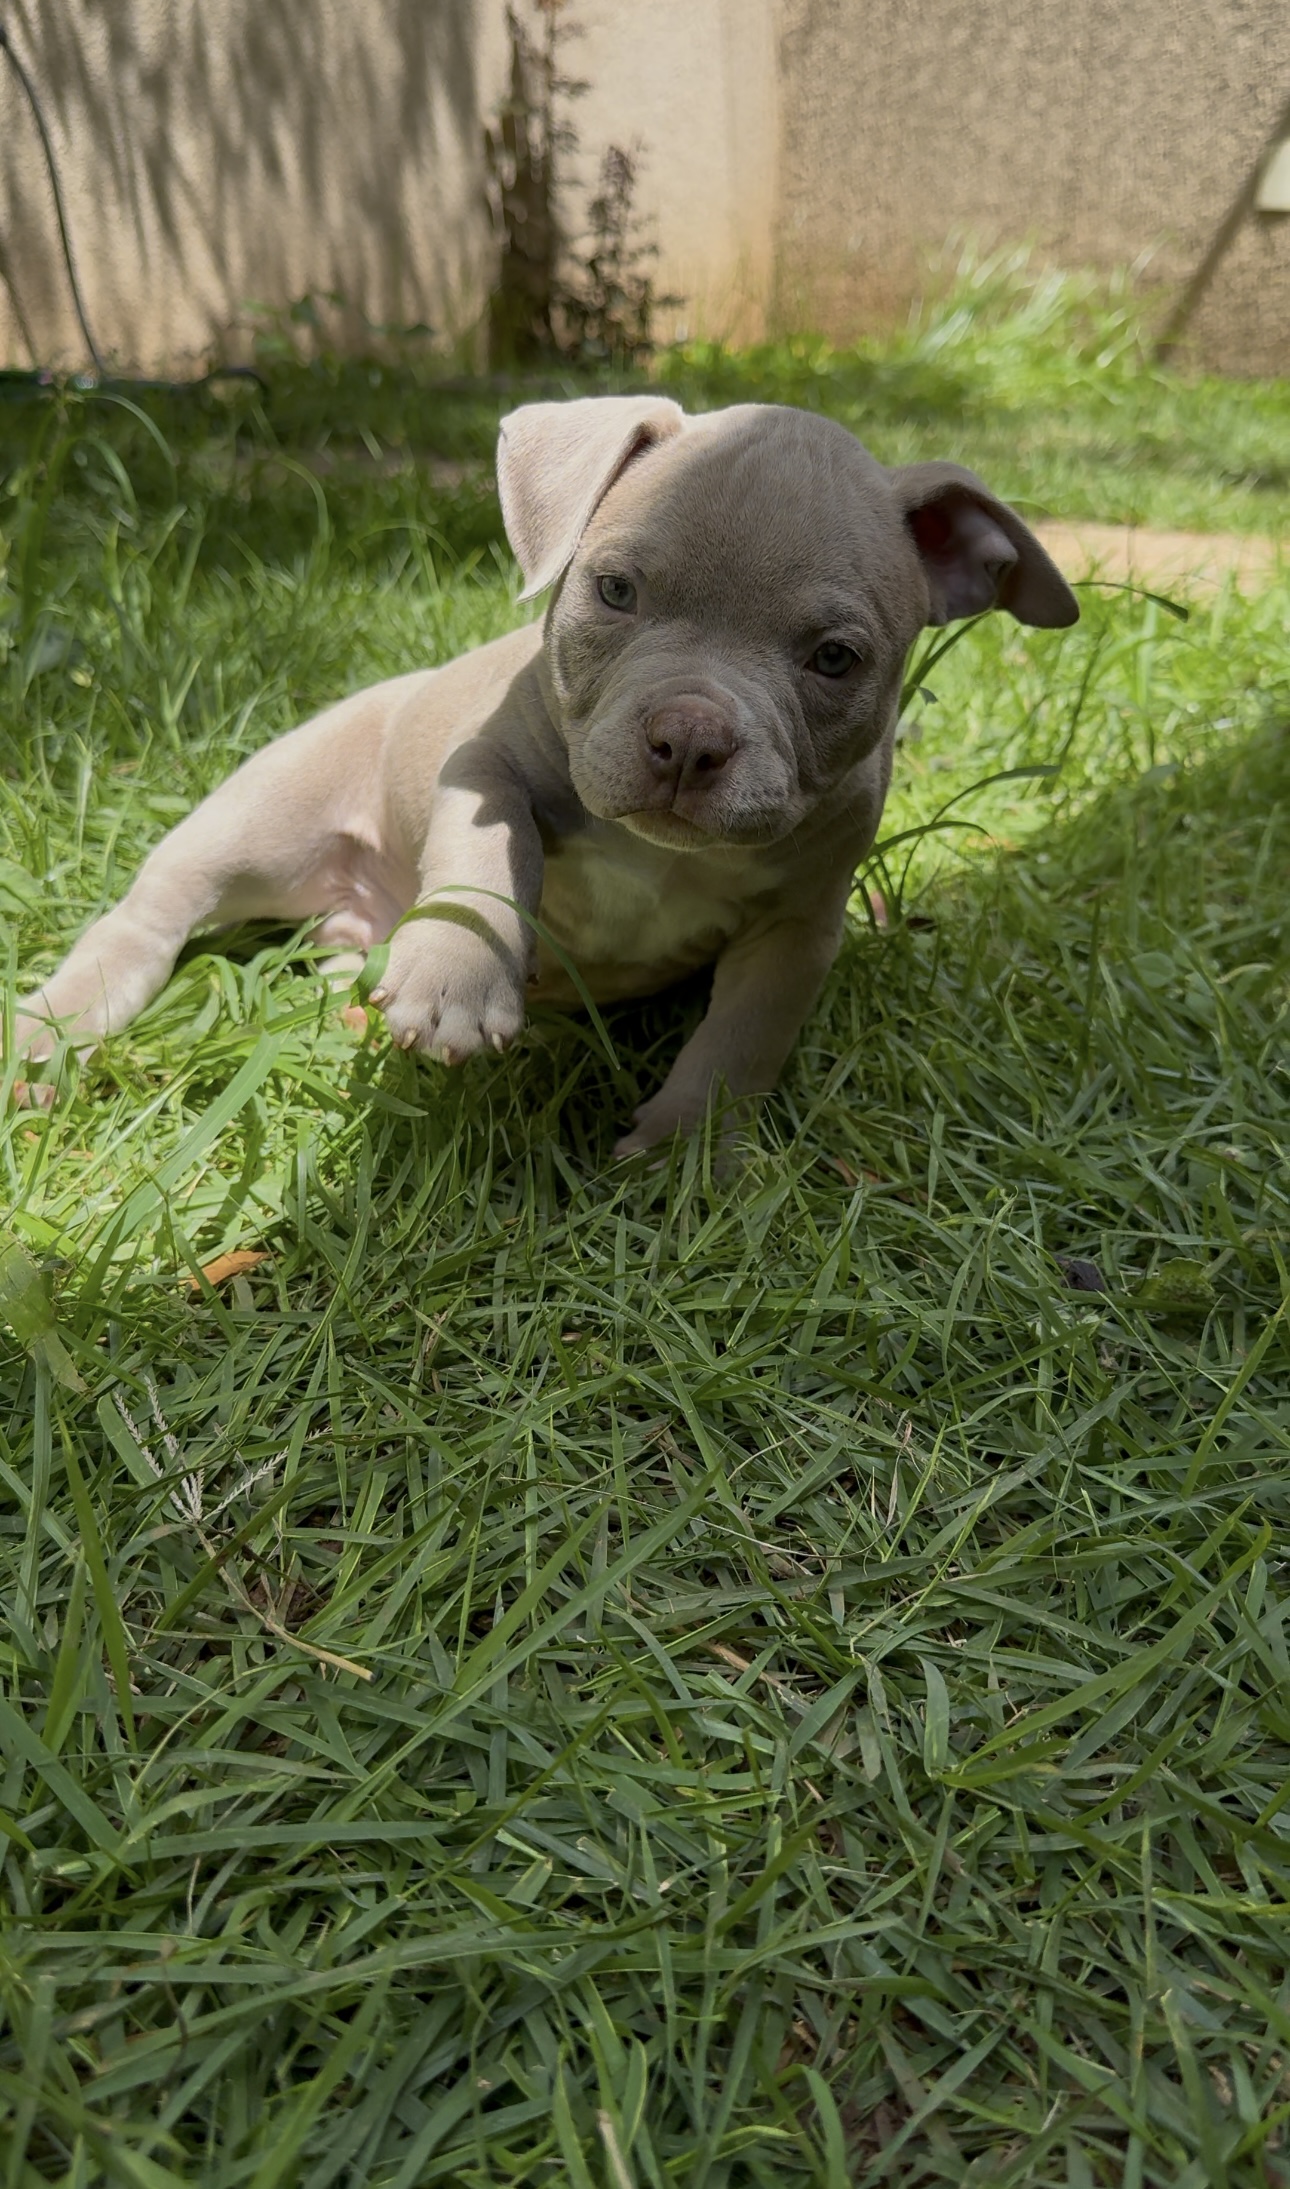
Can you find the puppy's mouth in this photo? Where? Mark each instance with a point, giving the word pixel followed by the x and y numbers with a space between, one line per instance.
pixel 673 832
pixel 658 825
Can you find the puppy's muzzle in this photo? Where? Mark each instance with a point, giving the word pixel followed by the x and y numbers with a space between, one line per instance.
pixel 687 744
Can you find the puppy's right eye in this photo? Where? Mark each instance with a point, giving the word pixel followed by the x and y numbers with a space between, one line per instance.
pixel 617 593
pixel 833 659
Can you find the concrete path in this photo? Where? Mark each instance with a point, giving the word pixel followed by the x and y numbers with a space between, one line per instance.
pixel 1134 555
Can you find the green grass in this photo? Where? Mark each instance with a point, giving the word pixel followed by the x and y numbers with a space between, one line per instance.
pixel 564 1675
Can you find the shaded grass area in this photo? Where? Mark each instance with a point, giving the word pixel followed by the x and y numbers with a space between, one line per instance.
pixel 569 1675
pixel 1041 381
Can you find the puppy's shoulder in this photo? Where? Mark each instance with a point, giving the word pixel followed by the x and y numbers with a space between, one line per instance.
pixel 492 666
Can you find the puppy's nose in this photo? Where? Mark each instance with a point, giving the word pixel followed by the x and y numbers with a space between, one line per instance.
pixel 688 743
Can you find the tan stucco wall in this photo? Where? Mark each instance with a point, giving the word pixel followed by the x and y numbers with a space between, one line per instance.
pixel 695 84
pixel 1103 131
pixel 214 152
pixel 799 159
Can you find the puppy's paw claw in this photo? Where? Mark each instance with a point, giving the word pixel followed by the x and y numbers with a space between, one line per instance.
pixel 643 1139
pixel 34 1037
pixel 449 996
pixel 667 1118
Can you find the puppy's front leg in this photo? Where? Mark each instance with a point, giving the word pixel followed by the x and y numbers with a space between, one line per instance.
pixel 762 989
pixel 456 973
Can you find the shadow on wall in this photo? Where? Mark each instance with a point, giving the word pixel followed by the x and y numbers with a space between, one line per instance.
pixel 213 156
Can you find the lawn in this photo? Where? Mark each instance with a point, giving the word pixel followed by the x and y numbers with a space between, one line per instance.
pixel 565 1674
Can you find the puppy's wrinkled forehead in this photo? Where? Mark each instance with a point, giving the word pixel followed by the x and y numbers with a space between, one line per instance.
pixel 757 512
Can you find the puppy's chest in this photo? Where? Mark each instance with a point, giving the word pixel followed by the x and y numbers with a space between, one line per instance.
pixel 633 916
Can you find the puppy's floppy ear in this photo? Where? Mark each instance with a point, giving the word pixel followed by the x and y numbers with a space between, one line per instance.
pixel 976 551
pixel 557 461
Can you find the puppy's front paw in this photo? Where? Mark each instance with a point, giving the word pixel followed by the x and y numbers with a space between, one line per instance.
pixel 658 1120
pixel 448 992
pixel 668 1115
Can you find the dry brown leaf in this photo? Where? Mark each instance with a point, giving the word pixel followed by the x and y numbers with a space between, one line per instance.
pixel 225 1266
pixel 852 1177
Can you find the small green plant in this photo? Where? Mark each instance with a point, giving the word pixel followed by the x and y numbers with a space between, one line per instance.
pixel 522 150
pixel 552 302
pixel 608 308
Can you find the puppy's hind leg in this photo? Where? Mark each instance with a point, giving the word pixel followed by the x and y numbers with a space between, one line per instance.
pixel 122 961
pixel 235 858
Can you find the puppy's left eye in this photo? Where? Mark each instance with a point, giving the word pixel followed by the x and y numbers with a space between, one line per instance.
pixel 617 593
pixel 833 658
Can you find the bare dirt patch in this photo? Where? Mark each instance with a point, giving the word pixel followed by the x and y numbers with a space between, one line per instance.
pixel 1135 555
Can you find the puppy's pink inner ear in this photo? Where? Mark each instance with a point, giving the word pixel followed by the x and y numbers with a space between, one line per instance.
pixel 933 533
pixel 966 554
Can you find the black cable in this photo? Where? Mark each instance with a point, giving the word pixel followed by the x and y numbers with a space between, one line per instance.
pixel 70 263
pixel 21 383
pixel 171 387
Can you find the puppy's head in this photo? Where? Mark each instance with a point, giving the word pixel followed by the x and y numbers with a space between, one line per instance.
pixel 736 596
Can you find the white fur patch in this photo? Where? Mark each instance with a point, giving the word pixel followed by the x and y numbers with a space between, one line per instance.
pixel 634 916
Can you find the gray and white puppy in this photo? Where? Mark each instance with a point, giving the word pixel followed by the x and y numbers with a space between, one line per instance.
pixel 680 767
